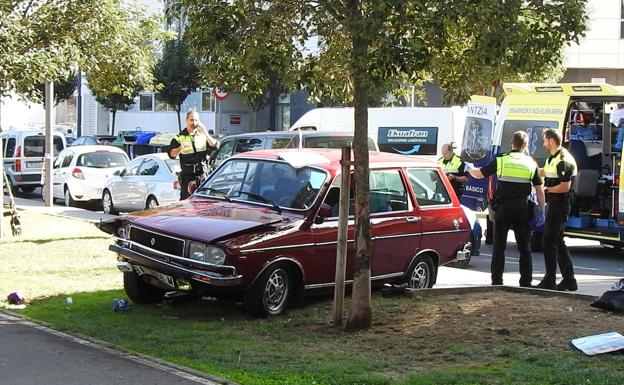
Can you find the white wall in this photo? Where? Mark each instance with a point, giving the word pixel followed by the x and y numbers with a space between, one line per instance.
pixel 602 46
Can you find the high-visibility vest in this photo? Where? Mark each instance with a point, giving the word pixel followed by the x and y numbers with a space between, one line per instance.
pixel 515 167
pixel 550 167
pixel 451 167
pixel 198 139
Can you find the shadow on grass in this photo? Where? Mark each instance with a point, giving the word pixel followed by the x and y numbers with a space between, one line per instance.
pixel 44 241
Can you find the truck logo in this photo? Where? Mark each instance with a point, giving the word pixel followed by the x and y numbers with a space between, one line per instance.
pixel 414 150
pixel 408 134
pixel 476 189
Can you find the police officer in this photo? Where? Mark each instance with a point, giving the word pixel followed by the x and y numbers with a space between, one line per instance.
pixel 454 168
pixel 516 173
pixel 559 172
pixel 192 145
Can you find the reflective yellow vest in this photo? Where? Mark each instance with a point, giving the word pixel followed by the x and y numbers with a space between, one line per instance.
pixel 197 138
pixel 515 167
pixel 451 167
pixel 550 168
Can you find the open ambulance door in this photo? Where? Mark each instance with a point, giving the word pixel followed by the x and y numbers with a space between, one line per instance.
pixel 476 147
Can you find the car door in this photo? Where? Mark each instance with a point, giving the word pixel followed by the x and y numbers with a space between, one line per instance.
pixel 442 220
pixel 121 188
pixel 396 227
pixel 61 171
pixel 144 182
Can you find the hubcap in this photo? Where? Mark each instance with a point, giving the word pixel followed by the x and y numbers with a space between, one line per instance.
pixel 106 203
pixel 420 276
pixel 151 204
pixel 276 291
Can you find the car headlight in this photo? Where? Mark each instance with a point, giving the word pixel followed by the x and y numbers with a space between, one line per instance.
pixel 123 232
pixel 206 253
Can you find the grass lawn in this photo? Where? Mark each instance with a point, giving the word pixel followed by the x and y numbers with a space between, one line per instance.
pixel 478 338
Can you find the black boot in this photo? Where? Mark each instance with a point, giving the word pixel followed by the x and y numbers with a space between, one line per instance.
pixel 567 284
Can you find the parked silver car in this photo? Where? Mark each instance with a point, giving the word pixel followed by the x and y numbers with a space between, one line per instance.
pixel 146 182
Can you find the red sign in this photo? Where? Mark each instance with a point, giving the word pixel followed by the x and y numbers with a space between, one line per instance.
pixel 235 120
pixel 221 95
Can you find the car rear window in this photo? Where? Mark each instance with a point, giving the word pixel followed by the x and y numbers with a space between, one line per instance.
pixel 102 159
pixel 173 165
pixel 334 142
pixel 34 146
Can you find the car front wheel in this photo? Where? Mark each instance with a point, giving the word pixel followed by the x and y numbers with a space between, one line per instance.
pixel 107 203
pixel 140 291
pixel 270 293
pixel 421 274
pixel 151 202
pixel 68 200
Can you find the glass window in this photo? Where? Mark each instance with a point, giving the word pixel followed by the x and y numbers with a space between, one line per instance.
pixel 101 159
pixel 244 145
pixel 146 102
pixel 428 187
pixel 535 130
pixel 387 192
pixel 477 139
pixel 224 152
pixel 148 168
pixel 266 182
pixel 58 161
pixel 67 159
pixel 34 145
pixel 160 104
pixel 276 143
pixel 58 145
pixel 207 101
pixel 173 165
pixel 9 147
pixel 132 168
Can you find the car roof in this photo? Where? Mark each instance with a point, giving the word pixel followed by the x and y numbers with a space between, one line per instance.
pixel 330 158
pixel 160 155
pixel 94 148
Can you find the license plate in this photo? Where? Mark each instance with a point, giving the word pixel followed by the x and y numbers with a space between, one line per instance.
pixel 164 278
pixel 34 164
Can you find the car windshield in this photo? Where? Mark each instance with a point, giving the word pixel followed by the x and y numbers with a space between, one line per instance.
pixel 102 159
pixel 173 165
pixel 265 182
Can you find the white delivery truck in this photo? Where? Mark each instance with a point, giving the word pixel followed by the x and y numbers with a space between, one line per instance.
pixel 401 130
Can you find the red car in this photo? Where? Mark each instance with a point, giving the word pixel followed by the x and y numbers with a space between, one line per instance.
pixel 264 226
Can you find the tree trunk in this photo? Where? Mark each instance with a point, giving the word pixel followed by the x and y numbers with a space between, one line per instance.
pixel 114 112
pixel 360 315
pixel 178 108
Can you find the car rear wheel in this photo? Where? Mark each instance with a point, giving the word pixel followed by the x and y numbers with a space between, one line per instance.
pixel 68 200
pixel 421 274
pixel 107 203
pixel 151 202
pixel 270 293
pixel 140 291
pixel 28 189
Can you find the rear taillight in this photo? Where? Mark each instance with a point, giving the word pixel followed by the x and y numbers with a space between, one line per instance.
pixel 18 162
pixel 77 173
pixel 176 185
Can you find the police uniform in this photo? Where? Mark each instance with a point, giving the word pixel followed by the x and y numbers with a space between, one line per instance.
pixel 516 173
pixel 560 167
pixel 192 158
pixel 454 166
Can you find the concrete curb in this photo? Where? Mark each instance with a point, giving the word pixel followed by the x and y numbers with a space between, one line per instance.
pixel 485 289
pixel 156 363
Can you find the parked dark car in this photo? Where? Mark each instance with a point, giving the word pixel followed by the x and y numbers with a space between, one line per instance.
pixel 93 140
pixel 272 140
pixel 263 227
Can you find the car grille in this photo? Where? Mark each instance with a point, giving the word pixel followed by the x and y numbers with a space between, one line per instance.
pixel 156 241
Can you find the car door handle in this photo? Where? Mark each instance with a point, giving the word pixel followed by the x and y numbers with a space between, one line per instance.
pixel 415 219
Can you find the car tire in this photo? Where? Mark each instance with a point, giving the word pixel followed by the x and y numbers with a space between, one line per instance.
pixel 140 291
pixel 270 294
pixel 14 190
pixel 421 274
pixel 107 203
pixel 151 202
pixel 28 189
pixel 67 198
pixel 536 241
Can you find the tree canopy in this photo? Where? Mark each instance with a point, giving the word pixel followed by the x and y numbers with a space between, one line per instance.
pixel 370 48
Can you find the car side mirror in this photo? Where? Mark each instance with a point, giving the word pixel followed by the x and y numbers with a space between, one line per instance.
pixel 325 211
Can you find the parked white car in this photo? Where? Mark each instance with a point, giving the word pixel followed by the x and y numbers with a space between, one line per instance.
pixel 80 173
pixel 146 182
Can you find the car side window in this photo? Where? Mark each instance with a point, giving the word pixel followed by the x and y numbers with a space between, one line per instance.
pixel 428 187
pixel 148 168
pixel 251 144
pixel 224 152
pixel 277 143
pixel 132 168
pixel 9 147
pixel 58 161
pixel 67 160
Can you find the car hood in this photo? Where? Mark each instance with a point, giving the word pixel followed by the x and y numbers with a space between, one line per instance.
pixel 206 220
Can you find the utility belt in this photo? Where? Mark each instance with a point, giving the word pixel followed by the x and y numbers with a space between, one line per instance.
pixel 557 197
pixel 192 168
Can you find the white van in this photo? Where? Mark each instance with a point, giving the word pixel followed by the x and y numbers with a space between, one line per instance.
pixel 401 130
